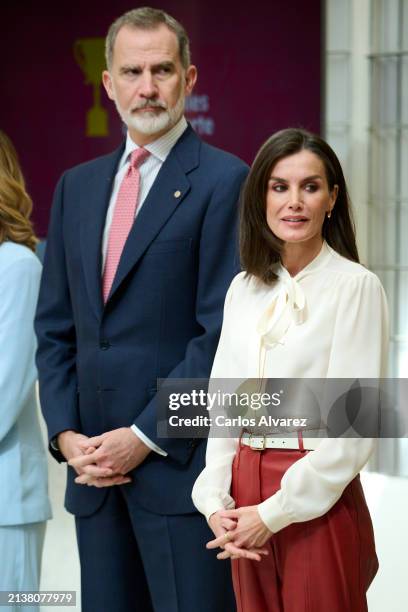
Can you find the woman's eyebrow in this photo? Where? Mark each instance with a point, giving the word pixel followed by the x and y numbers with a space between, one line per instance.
pixel 307 178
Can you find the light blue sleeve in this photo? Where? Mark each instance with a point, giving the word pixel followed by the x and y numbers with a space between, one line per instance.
pixel 19 285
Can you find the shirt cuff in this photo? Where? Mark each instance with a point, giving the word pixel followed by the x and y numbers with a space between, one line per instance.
pixel 147 441
pixel 54 444
pixel 272 514
pixel 213 505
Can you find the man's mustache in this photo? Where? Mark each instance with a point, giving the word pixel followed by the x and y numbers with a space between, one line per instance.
pixel 149 104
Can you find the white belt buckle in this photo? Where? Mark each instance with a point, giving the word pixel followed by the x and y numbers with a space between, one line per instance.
pixel 257 443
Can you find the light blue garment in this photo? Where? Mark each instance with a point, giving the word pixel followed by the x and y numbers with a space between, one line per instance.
pixel 20 561
pixel 23 463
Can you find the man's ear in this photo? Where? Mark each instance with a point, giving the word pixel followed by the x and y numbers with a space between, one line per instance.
pixel 191 78
pixel 107 83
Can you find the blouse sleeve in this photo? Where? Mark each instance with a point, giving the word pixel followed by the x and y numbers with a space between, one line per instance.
pixel 211 491
pixel 312 485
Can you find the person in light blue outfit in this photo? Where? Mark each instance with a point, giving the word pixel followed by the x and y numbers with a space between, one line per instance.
pixel 24 503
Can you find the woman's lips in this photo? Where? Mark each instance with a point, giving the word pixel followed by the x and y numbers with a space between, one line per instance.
pixel 294 220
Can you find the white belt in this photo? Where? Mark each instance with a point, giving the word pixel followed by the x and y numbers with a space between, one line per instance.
pixel 257 442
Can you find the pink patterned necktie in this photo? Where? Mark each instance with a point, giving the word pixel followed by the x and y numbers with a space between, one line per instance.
pixel 123 217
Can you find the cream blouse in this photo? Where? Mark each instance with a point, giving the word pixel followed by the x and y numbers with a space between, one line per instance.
pixel 328 321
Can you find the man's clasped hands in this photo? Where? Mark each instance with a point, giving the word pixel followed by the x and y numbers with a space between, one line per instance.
pixel 106 460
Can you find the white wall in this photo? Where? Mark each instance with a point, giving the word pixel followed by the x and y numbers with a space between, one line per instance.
pixel 387 499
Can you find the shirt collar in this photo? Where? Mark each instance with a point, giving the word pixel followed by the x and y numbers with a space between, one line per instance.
pixel 159 148
pixel 321 260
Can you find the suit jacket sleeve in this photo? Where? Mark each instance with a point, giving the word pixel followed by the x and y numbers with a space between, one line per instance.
pixel 18 290
pixel 218 264
pixel 54 325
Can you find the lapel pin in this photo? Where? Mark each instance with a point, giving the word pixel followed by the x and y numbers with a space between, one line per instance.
pixel 177 194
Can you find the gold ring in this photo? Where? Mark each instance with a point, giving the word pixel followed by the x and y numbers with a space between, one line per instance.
pixel 227 536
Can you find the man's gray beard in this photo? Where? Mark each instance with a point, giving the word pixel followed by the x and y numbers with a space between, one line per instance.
pixel 152 123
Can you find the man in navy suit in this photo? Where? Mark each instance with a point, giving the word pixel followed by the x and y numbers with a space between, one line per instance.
pixel 109 328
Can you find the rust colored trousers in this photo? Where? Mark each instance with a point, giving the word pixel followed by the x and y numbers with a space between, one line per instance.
pixel 322 565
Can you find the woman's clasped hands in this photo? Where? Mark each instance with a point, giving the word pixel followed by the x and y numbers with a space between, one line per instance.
pixel 241 533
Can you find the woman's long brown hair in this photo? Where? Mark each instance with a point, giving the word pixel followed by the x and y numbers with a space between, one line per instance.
pixel 260 249
pixel 15 203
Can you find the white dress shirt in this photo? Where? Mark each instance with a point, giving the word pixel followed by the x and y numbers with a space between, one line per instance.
pixel 329 321
pixel 159 150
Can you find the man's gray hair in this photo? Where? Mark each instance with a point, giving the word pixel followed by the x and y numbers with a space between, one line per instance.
pixel 147 18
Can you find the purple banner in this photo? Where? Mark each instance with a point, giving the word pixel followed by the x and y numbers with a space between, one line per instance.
pixel 259 69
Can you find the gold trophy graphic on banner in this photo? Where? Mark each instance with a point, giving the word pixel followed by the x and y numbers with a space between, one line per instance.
pixel 90 56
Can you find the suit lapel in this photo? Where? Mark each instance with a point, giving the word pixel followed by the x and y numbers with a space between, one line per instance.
pixel 168 191
pixel 94 204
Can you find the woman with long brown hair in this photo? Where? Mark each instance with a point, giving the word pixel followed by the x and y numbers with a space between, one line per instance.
pixel 289 508
pixel 24 504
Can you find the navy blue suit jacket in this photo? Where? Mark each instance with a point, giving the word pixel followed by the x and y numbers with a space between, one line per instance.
pixel 98 365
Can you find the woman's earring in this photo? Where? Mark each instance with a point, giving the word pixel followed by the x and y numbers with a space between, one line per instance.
pixel 329 214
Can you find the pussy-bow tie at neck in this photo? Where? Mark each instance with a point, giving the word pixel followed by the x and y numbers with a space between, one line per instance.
pixel 287 307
